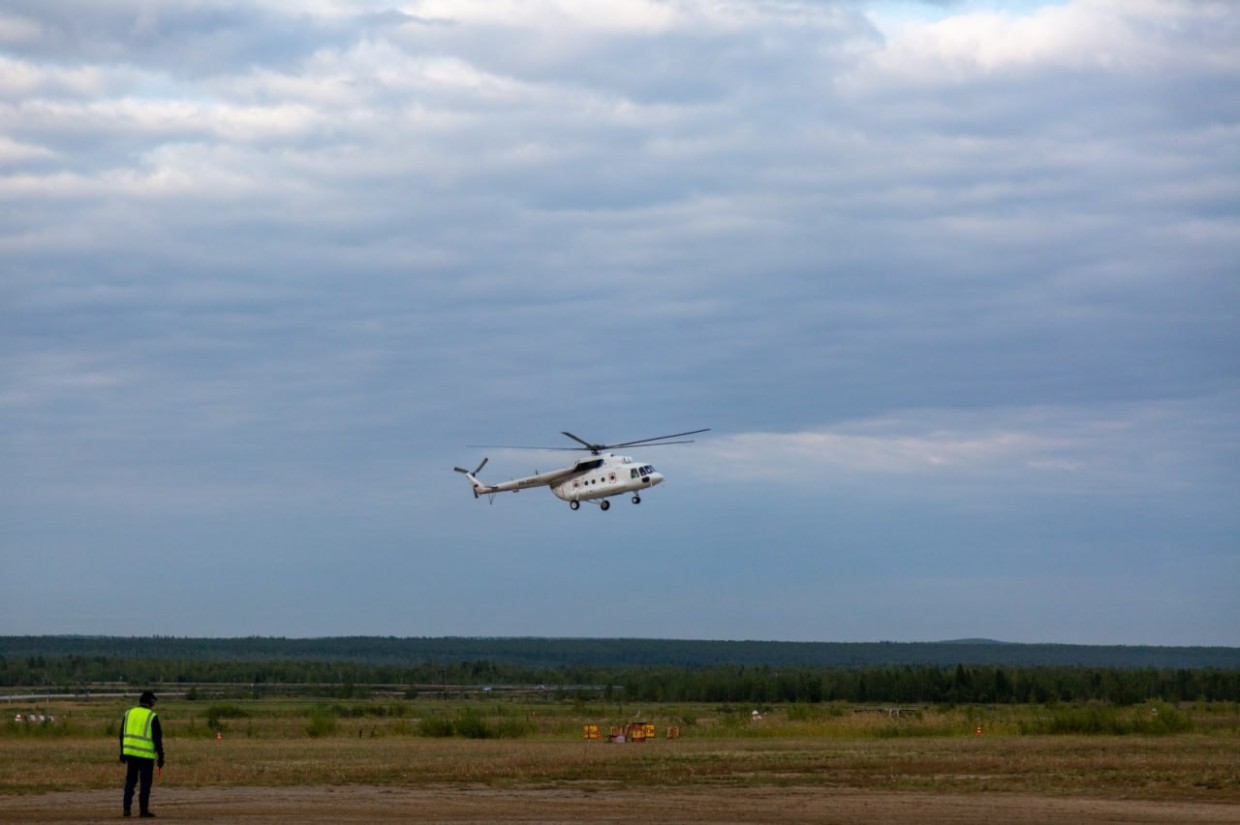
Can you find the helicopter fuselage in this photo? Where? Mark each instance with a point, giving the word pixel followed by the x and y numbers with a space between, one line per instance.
pixel 604 476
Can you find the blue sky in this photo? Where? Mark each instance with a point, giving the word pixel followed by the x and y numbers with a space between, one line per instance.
pixel 954 285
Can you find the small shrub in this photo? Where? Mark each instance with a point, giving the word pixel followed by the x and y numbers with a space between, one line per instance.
pixel 512 728
pixel 46 727
pixel 217 713
pixel 1086 720
pixel 471 724
pixel 322 722
pixel 1106 720
pixel 802 712
pixel 1161 720
pixel 436 726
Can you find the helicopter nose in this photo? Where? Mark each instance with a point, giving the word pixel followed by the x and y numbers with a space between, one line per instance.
pixel 654 478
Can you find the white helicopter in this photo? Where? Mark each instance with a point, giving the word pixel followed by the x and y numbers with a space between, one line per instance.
pixel 595 479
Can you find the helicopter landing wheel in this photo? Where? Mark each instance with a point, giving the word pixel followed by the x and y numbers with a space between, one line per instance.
pixel 573 505
pixel 637 499
pixel 604 504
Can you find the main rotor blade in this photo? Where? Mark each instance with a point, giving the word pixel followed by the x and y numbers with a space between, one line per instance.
pixel 591 447
pixel 648 441
pixel 517 447
pixel 594 448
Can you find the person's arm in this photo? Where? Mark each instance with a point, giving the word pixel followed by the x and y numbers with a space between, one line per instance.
pixel 157 738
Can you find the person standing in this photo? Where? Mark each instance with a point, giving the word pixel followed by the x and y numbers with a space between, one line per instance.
pixel 142 749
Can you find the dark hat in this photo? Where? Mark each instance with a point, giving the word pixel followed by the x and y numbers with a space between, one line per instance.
pixel 147 698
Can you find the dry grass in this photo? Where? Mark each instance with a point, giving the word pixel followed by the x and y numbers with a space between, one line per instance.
pixel 277 744
pixel 1180 768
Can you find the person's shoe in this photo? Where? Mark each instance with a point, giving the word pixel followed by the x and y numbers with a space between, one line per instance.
pixel 146 815
pixel 126 813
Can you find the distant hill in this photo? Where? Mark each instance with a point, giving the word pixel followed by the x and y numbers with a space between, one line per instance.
pixel 973 642
pixel 561 652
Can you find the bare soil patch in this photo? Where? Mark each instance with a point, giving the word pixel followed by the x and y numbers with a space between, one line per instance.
pixel 723 806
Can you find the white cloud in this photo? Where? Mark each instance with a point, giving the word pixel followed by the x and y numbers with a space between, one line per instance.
pixel 882 448
pixel 1087 35
pixel 1110 450
pixel 631 16
pixel 26 80
pixel 13 152
pixel 15 29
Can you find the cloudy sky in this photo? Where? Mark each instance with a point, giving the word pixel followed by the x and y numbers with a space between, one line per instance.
pixel 954 285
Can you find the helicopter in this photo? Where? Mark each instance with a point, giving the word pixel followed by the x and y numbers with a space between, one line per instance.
pixel 594 478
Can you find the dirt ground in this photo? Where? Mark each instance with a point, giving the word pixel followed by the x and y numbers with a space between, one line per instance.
pixel 259 806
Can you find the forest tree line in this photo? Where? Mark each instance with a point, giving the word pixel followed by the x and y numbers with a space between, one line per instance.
pixel 758 685
pixel 537 652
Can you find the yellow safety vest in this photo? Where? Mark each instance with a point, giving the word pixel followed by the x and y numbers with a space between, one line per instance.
pixel 137 741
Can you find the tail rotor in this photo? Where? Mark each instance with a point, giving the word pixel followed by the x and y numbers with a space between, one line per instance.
pixel 473 476
pixel 475 471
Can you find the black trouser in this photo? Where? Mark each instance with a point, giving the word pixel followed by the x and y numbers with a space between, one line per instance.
pixel 143 769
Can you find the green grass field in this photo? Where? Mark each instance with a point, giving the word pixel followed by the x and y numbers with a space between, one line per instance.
pixel 1141 752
